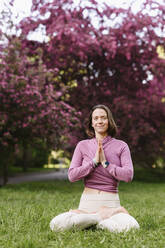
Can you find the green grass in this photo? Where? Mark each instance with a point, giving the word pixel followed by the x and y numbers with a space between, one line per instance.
pixel 26 210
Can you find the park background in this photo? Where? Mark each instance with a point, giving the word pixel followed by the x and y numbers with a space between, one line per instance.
pixel 57 63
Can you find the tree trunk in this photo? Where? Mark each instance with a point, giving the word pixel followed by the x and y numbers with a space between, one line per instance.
pixel 5 173
pixel 25 157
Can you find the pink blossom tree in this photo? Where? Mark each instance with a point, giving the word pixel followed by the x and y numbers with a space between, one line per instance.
pixel 114 62
pixel 82 64
pixel 31 108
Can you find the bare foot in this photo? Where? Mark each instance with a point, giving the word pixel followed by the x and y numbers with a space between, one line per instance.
pixel 106 212
pixel 120 210
pixel 77 211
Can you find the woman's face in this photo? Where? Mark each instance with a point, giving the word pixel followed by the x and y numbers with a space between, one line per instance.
pixel 100 121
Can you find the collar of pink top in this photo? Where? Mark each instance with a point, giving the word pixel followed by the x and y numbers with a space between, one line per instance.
pixel 105 140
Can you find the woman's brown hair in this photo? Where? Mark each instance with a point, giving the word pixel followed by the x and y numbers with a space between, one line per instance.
pixel 112 128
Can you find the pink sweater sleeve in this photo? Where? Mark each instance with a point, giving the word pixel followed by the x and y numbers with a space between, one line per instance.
pixel 125 171
pixel 79 168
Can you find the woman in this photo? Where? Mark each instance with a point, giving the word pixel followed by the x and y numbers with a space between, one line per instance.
pixel 101 162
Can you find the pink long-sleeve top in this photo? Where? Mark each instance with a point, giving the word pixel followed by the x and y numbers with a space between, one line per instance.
pixel 117 153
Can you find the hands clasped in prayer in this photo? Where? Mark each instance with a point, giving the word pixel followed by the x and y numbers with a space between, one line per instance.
pixel 99 156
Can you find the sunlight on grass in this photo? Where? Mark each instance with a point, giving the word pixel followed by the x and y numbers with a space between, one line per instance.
pixel 56 166
pixel 57 160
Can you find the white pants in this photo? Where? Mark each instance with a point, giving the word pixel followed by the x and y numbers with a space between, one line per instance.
pixel 92 202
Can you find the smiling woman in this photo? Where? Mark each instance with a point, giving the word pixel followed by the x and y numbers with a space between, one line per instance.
pixel 106 120
pixel 100 122
pixel 101 162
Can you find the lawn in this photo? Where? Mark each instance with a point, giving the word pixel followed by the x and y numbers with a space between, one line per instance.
pixel 26 210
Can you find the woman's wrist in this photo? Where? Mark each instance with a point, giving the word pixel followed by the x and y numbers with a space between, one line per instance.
pixel 95 162
pixel 105 163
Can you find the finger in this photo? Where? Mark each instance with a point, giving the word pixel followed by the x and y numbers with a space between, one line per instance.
pixel 100 148
pixel 100 143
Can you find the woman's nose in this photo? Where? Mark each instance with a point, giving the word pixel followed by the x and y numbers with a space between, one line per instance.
pixel 100 120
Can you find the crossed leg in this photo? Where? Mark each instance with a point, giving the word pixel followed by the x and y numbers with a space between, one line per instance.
pixel 104 212
pixel 120 221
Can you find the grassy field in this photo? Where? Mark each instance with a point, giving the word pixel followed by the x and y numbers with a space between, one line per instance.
pixel 26 210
